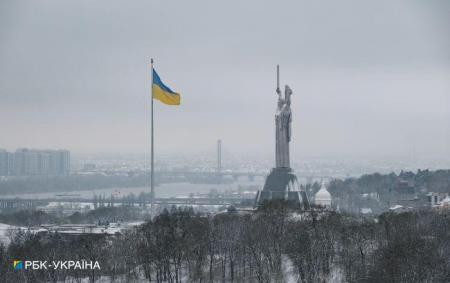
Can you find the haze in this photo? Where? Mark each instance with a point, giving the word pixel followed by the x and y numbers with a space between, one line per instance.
pixel 370 78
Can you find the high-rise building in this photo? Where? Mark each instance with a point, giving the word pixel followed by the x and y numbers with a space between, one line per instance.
pixel 4 163
pixel 20 162
pixel 31 162
pixel 59 162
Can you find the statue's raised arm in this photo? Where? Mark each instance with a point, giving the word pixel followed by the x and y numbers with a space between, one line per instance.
pixel 278 91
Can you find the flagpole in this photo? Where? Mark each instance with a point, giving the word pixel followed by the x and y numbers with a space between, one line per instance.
pixel 152 172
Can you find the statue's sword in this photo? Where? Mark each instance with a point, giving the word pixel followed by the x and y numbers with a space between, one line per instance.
pixel 278 79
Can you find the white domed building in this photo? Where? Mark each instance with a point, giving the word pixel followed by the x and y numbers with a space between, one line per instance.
pixel 323 197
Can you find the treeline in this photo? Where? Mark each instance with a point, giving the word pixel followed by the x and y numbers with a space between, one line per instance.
pixel 272 245
pixel 430 181
pixel 384 189
pixel 33 218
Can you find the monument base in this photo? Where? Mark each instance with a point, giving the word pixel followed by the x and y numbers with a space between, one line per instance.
pixel 282 184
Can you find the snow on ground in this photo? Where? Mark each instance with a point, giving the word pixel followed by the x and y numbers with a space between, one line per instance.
pixel 5 230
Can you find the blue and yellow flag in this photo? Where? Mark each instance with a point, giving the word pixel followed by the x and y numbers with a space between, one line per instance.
pixel 163 93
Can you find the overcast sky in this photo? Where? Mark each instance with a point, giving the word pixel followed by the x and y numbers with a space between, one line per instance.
pixel 370 78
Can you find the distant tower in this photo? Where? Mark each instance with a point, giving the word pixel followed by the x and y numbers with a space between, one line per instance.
pixel 282 184
pixel 219 156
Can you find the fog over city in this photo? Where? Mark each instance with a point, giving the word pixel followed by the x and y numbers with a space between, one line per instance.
pixel 369 79
pixel 311 142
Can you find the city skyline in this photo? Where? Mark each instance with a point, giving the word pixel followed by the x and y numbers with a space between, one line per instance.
pixel 76 76
pixel 34 162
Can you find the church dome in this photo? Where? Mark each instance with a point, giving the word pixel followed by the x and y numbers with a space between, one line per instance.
pixel 323 197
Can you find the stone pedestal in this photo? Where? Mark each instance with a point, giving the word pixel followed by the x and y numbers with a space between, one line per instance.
pixel 282 184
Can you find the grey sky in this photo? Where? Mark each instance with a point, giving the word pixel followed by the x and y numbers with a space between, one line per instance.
pixel 369 77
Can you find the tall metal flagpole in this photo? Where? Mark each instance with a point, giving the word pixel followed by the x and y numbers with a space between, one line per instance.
pixel 152 172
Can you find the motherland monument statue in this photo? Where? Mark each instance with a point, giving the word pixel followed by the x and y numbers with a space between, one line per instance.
pixel 283 129
pixel 281 183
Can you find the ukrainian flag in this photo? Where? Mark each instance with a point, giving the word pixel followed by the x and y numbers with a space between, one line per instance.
pixel 163 93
